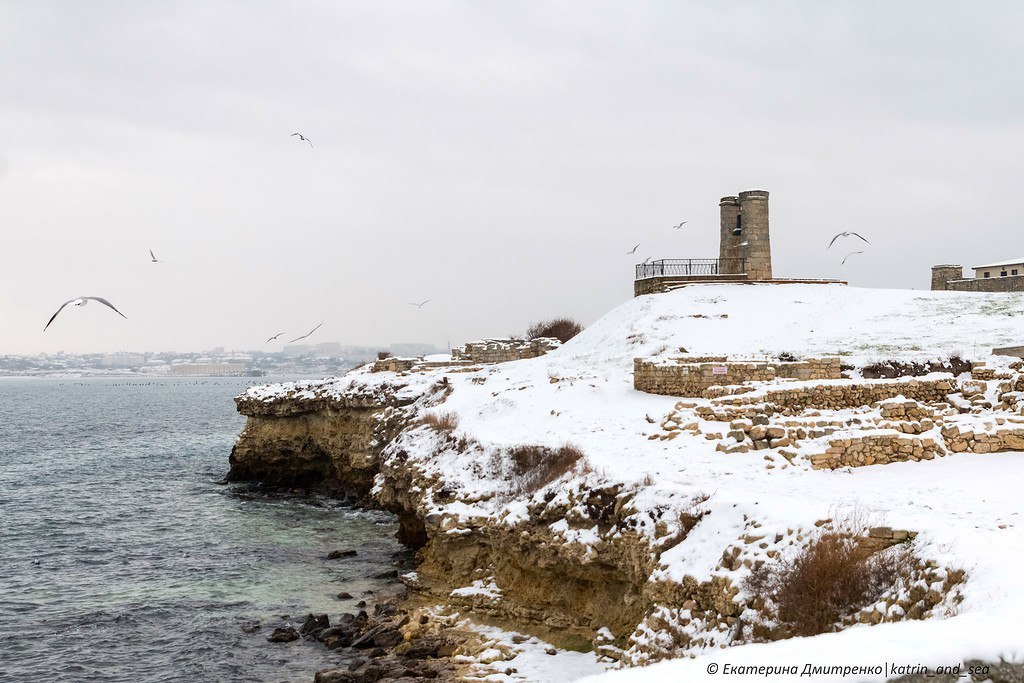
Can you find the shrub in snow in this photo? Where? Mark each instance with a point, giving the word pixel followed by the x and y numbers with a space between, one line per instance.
pixel 830 579
pixel 534 467
pixel 441 422
pixel 562 329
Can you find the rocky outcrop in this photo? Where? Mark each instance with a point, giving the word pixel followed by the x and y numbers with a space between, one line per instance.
pixel 315 439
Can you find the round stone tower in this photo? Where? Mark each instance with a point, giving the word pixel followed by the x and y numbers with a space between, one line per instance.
pixel 729 242
pixel 755 243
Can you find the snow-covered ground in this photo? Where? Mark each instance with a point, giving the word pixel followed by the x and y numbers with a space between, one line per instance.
pixel 967 508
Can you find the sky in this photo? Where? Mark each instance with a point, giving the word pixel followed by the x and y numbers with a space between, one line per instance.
pixel 497 158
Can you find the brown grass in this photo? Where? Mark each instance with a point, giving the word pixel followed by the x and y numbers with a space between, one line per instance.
pixel 562 329
pixel 828 580
pixel 534 467
pixel 383 355
pixel 441 422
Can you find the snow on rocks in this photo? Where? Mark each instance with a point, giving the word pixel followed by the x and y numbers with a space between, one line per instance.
pixel 646 458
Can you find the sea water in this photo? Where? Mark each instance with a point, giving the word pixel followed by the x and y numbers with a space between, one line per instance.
pixel 124 558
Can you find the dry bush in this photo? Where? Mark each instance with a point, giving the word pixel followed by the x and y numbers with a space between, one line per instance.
pixel 383 355
pixel 534 467
pixel 441 422
pixel 562 329
pixel 829 579
pixel 689 516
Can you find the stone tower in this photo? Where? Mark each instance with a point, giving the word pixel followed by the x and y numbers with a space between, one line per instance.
pixel 729 242
pixel 744 234
pixel 944 273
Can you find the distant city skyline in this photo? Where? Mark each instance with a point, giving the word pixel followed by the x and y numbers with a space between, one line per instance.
pixel 495 160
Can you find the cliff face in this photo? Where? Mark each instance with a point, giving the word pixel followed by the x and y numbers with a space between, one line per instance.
pixel 315 440
pixel 642 542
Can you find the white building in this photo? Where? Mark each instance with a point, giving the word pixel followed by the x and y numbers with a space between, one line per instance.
pixel 1006 268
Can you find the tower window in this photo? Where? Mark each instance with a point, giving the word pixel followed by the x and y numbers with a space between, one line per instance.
pixel 1002 274
pixel 1013 272
pixel 988 274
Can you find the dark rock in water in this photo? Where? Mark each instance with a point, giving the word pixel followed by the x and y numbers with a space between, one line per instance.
pixel 389 574
pixel 346 618
pixel 361 603
pixel 314 624
pixel 251 626
pixel 356 663
pixel 285 634
pixel 344 595
pixel 334 676
pixel 388 609
pixel 346 633
pixel 338 554
pixel 385 635
pixel 378 652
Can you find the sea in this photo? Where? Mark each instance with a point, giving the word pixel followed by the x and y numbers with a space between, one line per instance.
pixel 124 556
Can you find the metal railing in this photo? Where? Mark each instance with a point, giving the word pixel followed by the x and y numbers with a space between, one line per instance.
pixel 707 267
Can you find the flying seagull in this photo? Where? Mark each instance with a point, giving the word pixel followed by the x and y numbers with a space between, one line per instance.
pixel 153 256
pixel 307 334
pixel 634 249
pixel 275 337
pixel 412 303
pixel 844 234
pixel 676 227
pixel 82 301
pixel 849 255
pixel 302 137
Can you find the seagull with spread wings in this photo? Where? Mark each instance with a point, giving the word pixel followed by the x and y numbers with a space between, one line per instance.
pixel 303 138
pixel 633 250
pixel 849 255
pixel 275 337
pixel 412 303
pixel 677 227
pixel 153 256
pixel 82 301
pixel 845 234
pixel 307 334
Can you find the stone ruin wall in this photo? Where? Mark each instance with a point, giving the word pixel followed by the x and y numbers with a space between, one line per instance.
pixel 694 376
pixel 951 278
pixel 504 350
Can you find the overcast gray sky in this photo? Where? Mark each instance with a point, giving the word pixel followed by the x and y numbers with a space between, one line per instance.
pixel 498 158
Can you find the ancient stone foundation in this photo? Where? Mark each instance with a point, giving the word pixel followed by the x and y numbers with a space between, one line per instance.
pixel 504 350
pixel 694 376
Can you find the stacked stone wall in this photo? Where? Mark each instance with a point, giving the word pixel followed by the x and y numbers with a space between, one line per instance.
pixel 504 350
pixel 696 376
pixel 876 448
pixel 1010 283
pixel 836 395
pixel 394 364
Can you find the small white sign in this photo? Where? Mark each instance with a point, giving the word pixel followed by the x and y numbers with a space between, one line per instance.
pixel 719 370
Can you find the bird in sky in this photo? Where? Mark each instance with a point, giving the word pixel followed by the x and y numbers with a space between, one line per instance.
pixel 634 249
pixel 82 301
pixel 849 255
pixel 844 234
pixel 647 260
pixel 153 256
pixel 302 137
pixel 677 227
pixel 275 337
pixel 412 303
pixel 307 334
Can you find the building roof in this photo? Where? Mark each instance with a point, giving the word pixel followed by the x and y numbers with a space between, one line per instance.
pixel 1006 262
